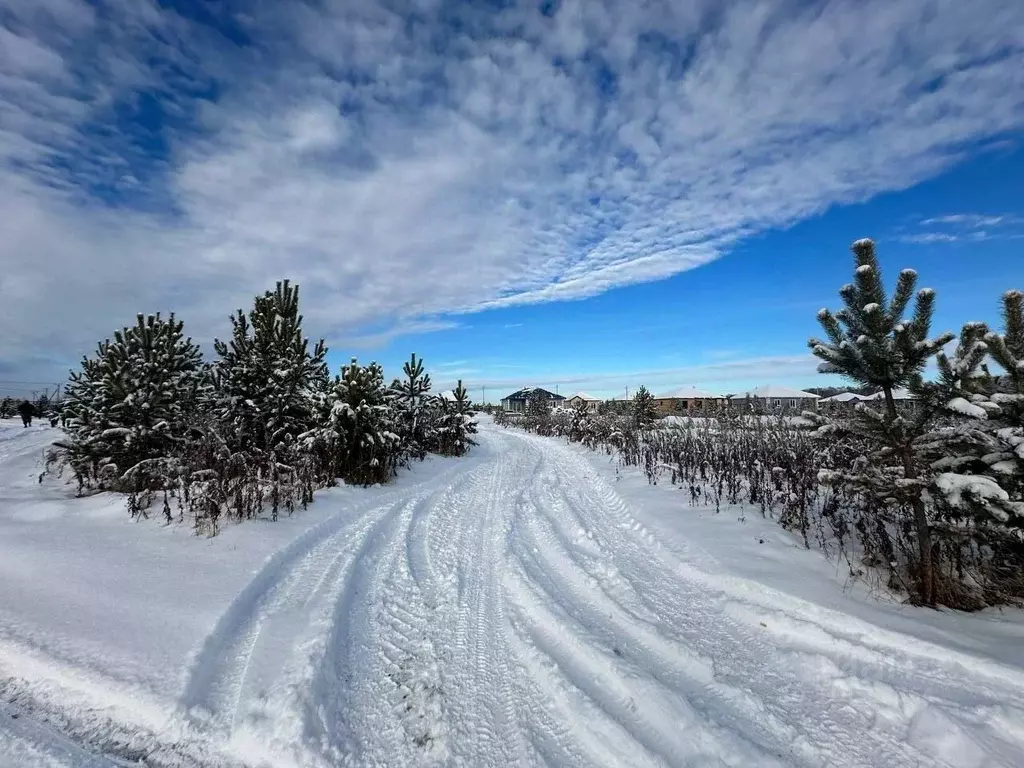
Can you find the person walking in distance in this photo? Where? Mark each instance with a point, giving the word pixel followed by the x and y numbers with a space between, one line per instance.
pixel 26 411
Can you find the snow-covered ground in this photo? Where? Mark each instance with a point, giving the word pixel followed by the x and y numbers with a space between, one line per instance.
pixel 527 605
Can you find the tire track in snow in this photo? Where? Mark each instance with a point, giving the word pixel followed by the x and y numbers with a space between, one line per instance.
pixel 274 616
pixel 379 690
pixel 580 594
pixel 825 725
pixel 219 672
pixel 486 696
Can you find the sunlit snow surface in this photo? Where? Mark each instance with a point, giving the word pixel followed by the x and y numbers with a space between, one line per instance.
pixel 527 605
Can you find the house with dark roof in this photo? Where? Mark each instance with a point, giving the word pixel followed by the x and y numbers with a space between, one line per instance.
pixel 516 402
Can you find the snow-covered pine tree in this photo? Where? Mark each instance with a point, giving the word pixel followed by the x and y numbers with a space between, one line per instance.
pixel 537 414
pixel 366 447
pixel 979 456
pixel 129 407
pixel 455 423
pixel 7 408
pixel 645 412
pixel 870 342
pixel 579 422
pixel 267 376
pixel 413 409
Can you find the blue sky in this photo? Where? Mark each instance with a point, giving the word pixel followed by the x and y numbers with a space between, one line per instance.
pixel 584 195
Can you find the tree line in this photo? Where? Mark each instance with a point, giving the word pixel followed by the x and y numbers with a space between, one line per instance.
pixel 256 430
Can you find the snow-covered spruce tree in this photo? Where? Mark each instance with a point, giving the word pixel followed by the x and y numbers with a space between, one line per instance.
pixel 365 445
pixel 129 407
pixel 645 412
pixel 413 407
pixel 455 423
pixel 7 408
pixel 870 342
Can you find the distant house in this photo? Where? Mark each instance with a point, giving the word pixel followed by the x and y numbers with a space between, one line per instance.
pixel 904 400
pixel 688 400
pixel 516 402
pixel 592 403
pixel 776 399
pixel 843 397
pixel 897 394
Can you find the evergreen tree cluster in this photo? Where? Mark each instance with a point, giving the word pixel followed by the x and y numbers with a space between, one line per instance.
pixel 941 483
pixel 258 429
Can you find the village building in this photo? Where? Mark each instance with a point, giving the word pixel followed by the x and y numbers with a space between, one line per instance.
pixel 592 403
pixel 516 402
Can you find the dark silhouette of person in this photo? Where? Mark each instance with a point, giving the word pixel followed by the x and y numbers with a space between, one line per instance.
pixel 26 411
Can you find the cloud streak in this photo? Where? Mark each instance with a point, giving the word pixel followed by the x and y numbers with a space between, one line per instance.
pixel 409 161
pixel 966 227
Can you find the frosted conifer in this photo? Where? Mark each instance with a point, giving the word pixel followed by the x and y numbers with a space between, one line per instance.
pixel 129 407
pixel 644 411
pixel 362 421
pixel 267 377
pixel 871 343
pixel 413 408
pixel 455 423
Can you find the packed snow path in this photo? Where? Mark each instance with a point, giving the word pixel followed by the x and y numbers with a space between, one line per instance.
pixel 511 609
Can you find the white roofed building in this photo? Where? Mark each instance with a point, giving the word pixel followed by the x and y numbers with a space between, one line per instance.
pixel 592 403
pixel 897 394
pixel 776 399
pixel 843 397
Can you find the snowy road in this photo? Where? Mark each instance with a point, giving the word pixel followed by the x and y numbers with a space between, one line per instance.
pixel 513 609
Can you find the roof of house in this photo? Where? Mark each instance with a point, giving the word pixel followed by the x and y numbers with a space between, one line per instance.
pixel 529 392
pixel 843 397
pixel 775 391
pixel 584 396
pixel 897 394
pixel 687 393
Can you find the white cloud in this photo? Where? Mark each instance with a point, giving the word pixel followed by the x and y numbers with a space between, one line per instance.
pixel 930 237
pixel 400 172
pixel 971 227
pixel 967 219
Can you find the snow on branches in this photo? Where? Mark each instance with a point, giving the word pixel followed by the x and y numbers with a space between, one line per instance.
pixel 258 429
